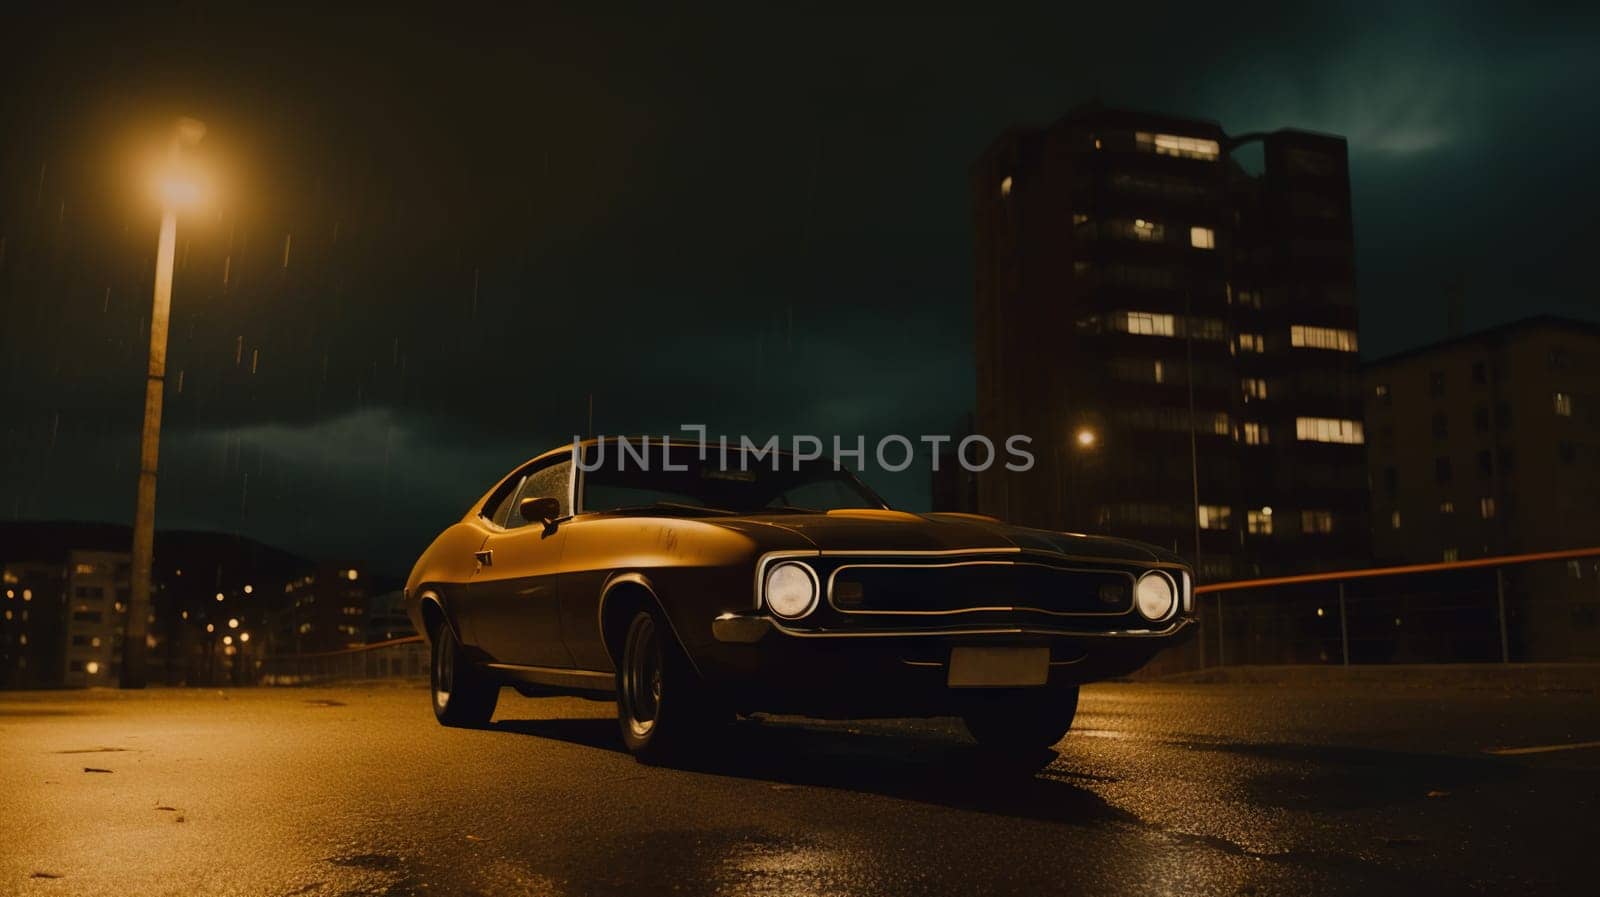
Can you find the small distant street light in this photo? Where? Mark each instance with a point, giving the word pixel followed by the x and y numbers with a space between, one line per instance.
pixel 1087 438
pixel 177 189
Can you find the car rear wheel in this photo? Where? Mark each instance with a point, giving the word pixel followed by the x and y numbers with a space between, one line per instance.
pixel 463 695
pixel 1021 721
pixel 661 706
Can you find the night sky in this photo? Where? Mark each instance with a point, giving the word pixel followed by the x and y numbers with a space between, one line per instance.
pixel 752 222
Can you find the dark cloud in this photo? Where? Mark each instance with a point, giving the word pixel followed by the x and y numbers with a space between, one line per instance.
pixel 750 221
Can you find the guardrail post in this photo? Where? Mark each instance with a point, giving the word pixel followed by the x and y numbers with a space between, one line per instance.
pixel 1222 655
pixel 1344 628
pixel 1500 599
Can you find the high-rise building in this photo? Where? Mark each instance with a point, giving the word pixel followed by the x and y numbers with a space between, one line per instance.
pixel 1489 444
pixel 1177 334
pixel 325 610
pixel 97 586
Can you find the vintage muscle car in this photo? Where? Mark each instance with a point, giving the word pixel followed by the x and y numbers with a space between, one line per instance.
pixel 695 583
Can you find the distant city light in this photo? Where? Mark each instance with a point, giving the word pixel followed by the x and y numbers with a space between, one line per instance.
pixel 248 589
pixel 351 574
pixel 211 627
pixel 244 637
pixel 233 622
pixel 92 667
pixel 1087 438
pixel 219 596
pixel 227 640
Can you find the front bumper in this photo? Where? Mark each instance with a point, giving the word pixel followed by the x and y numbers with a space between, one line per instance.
pixel 760 663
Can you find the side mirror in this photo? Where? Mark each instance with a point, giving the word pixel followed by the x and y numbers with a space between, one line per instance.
pixel 542 509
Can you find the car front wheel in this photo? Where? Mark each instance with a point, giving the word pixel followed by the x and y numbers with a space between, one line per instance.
pixel 661 708
pixel 462 694
pixel 1022 721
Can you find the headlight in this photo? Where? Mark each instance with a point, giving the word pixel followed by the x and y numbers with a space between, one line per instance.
pixel 1155 595
pixel 791 590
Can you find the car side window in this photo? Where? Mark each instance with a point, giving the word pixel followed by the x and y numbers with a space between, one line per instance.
pixel 499 504
pixel 550 481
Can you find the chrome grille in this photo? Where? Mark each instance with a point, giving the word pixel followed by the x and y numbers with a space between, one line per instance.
pixel 971 586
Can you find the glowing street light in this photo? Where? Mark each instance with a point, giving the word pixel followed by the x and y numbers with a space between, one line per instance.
pixel 177 191
pixel 1087 438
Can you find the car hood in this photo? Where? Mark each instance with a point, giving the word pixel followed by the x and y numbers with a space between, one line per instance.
pixel 892 531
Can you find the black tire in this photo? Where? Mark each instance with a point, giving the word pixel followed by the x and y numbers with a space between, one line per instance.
pixel 1021 721
pixel 462 694
pixel 662 708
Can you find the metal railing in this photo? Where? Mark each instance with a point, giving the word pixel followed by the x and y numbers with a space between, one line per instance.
pixel 1535 607
pixel 401 658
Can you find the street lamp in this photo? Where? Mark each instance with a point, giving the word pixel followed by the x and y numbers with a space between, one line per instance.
pixel 176 192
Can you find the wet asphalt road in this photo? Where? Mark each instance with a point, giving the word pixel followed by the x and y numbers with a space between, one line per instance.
pixel 1204 789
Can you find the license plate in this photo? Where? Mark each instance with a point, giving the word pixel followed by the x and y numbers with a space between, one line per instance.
pixel 973 667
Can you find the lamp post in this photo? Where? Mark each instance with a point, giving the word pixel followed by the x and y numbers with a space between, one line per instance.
pixel 1084 440
pixel 175 192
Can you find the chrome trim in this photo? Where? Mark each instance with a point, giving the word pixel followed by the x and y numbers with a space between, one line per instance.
pixel 1177 596
pixel 771 556
pixel 1176 626
pixel 1132 581
pixel 554 671
pixel 918 552
pixel 1008 549
pixel 816 589
pixel 740 630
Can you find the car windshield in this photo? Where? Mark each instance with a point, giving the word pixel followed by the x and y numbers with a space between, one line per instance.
pixel 676 479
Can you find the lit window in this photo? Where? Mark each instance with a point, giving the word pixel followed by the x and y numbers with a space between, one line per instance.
pixel 1323 429
pixel 1254 388
pixel 1316 521
pixel 1202 238
pixel 1575 569
pixel 1452 554
pixel 1145 323
pixel 1308 337
pixel 1174 145
pixel 1394 520
pixel 1005 186
pixel 1252 342
pixel 1148 231
pixel 1255 433
pixel 92 667
pixel 1447 507
pixel 1563 402
pixel 1080 218
pixel 1259 521
pixel 1215 516
pixel 1160 372
pixel 1486 507
pixel 83 569
pixel 1381 391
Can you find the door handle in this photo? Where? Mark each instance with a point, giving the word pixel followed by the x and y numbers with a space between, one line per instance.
pixel 485 557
